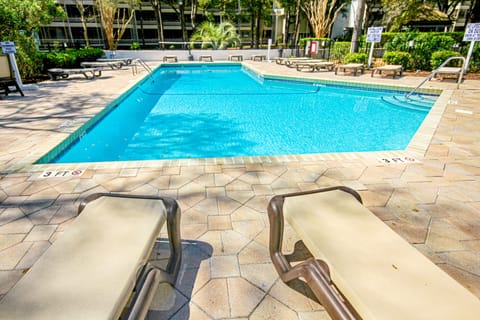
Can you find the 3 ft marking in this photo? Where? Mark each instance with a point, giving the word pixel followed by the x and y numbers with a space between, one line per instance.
pixel 404 159
pixel 61 173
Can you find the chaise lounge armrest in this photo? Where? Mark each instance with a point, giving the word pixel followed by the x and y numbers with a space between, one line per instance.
pixel 362 269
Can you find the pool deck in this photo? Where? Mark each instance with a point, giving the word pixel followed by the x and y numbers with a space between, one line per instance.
pixel 434 203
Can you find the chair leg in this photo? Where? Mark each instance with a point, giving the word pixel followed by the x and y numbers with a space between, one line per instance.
pixel 173 230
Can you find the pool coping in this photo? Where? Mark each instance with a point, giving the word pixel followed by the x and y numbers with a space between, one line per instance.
pixel 416 148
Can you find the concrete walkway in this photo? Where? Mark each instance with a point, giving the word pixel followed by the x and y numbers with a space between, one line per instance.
pixel 433 203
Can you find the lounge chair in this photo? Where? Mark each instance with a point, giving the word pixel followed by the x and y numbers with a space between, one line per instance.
pixel 7 78
pixel 114 65
pixel 394 69
pixel 258 57
pixel 315 66
pixel 98 269
pixel 235 57
pixel 292 63
pixel 170 58
pixel 353 67
pixel 205 58
pixel 360 268
pixel 124 61
pixel 89 73
pixel 282 61
pixel 448 71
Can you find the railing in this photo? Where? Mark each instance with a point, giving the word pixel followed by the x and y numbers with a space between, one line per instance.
pixel 145 66
pixel 434 72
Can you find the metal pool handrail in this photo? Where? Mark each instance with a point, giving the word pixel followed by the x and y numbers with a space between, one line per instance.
pixel 434 72
pixel 145 66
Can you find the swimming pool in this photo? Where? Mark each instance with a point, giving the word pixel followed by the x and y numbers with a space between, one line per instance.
pixel 215 110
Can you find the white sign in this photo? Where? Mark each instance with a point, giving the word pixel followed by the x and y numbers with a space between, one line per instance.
pixel 472 33
pixel 8 47
pixel 374 34
pixel 61 173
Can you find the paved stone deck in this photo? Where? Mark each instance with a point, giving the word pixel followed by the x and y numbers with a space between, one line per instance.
pixel 226 274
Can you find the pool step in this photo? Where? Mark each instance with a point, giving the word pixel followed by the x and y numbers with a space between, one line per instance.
pixel 424 101
pixel 417 103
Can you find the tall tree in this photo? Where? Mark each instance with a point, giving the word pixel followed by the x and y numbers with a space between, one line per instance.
pixel 179 7
pixel 446 6
pixel 26 15
pixel 473 14
pixel 258 11
pixel 157 9
pixel 322 14
pixel 290 8
pixel 357 24
pixel 84 17
pixel 113 13
pixel 19 20
pixel 399 13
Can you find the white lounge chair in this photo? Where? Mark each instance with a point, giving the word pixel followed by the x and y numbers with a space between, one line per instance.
pixel 100 264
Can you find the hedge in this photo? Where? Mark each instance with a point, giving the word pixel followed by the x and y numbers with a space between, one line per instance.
pixel 398 57
pixel 70 58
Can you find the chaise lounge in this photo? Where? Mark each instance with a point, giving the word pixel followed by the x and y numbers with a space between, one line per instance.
pixel 360 268
pixel 89 73
pixel 99 268
pixel 450 71
pixel 394 69
pixel 315 66
pixel 353 67
pixel 114 65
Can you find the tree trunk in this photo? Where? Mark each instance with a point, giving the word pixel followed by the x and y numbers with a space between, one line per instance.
pixel 357 25
pixel 252 26
pixel 141 25
pixel 297 24
pixel 157 6
pixel 183 24
pixel 193 14
pixel 473 15
pixel 257 25
pixel 81 9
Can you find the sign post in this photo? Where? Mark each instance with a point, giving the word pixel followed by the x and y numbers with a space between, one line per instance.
pixel 472 33
pixel 8 47
pixel 374 35
pixel 268 49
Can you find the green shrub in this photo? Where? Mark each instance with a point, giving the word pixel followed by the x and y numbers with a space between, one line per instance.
pixel 424 44
pixel 135 46
pixel 355 57
pixel 398 57
pixel 339 50
pixel 28 60
pixel 399 40
pixel 70 58
pixel 439 57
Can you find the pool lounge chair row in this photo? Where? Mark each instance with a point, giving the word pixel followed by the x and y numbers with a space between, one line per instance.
pixel 90 69
pixel 209 58
pixel 357 267
pixel 308 64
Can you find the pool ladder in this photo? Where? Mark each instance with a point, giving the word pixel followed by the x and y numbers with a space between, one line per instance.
pixel 145 66
pixel 434 72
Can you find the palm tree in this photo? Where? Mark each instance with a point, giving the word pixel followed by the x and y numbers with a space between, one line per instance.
pixel 216 36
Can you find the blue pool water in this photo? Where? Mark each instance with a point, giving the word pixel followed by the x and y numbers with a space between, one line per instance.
pixel 203 111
